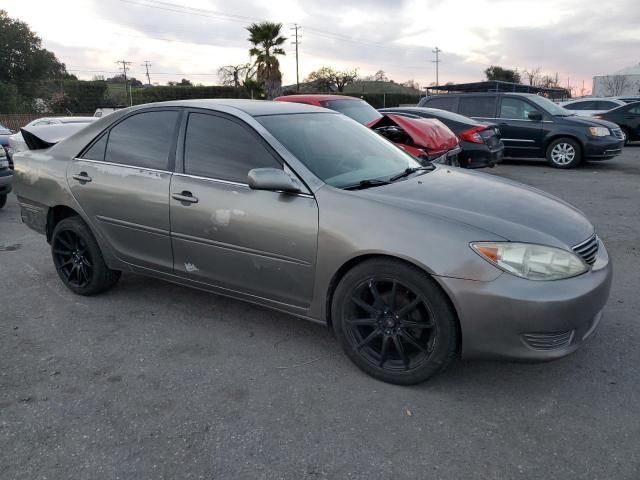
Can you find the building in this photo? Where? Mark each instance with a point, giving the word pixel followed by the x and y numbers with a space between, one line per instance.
pixel 622 82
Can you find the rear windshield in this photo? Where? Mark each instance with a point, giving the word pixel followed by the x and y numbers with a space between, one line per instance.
pixel 359 110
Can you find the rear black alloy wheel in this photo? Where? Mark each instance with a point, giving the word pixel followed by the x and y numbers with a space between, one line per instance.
pixel 78 259
pixel 72 259
pixel 395 323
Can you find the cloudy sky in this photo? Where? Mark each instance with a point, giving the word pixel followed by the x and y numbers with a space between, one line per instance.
pixel 193 38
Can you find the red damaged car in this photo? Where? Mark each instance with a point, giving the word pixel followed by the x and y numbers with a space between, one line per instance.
pixel 428 139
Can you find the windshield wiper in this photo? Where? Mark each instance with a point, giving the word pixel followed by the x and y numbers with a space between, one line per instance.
pixel 409 171
pixel 362 184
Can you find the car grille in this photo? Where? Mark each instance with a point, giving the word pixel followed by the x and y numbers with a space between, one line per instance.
pixel 618 133
pixel 547 341
pixel 588 249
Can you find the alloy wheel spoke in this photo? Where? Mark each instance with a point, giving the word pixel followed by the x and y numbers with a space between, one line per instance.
pixel 392 298
pixel 374 334
pixel 377 299
pixel 412 324
pixel 398 344
pixel 364 305
pixel 409 307
pixel 362 321
pixel 65 242
pixel 62 252
pixel 412 341
pixel 65 263
pixel 385 347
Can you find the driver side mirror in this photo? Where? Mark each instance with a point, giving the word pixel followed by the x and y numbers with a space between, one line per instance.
pixel 535 115
pixel 272 179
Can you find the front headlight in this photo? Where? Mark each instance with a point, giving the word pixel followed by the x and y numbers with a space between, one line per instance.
pixel 599 131
pixel 533 262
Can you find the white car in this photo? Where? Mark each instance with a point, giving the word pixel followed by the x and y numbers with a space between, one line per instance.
pixel 590 106
pixel 58 121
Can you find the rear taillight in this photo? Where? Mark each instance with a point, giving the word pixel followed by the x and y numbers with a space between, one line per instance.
pixel 473 134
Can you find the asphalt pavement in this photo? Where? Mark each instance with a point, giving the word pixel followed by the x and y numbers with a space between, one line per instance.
pixel 157 381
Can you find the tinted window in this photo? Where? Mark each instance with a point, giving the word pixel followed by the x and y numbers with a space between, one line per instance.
pixel 604 105
pixel 477 106
pixel 444 103
pixel 96 152
pixel 635 110
pixel 516 108
pixel 588 105
pixel 143 140
pixel 219 148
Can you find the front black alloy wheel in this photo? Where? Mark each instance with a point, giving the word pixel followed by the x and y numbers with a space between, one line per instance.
pixel 394 322
pixel 78 259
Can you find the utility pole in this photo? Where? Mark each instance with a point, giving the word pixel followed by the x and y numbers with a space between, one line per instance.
pixel 146 65
pixel 296 43
pixel 437 62
pixel 125 66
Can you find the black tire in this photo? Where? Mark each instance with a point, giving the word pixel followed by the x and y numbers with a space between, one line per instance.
pixel 564 152
pixel 410 314
pixel 3 200
pixel 78 259
pixel 626 136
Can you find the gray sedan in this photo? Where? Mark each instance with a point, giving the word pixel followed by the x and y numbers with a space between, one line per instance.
pixel 305 211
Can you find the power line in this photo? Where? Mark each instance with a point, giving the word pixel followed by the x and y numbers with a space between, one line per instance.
pixel 146 65
pixel 437 62
pixel 296 43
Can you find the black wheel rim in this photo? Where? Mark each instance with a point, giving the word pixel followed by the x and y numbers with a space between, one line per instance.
pixel 72 258
pixel 390 325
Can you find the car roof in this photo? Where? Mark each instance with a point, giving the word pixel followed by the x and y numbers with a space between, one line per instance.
pixel 589 99
pixel 316 97
pixel 254 108
pixel 475 94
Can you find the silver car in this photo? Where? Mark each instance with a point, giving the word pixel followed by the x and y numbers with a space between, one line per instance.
pixel 305 211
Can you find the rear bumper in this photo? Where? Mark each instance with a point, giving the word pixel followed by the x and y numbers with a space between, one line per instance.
pixel 476 155
pixel 6 183
pixel 603 148
pixel 517 319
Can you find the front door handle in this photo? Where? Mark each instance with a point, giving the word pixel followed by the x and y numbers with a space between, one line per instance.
pixel 82 177
pixel 184 197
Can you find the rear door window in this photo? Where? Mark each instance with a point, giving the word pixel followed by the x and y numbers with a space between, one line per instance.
pixel 605 105
pixel 143 140
pixel 586 105
pixel 443 103
pixel 484 107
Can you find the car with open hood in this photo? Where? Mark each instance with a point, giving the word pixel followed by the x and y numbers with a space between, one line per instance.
pixel 306 211
pixel 428 139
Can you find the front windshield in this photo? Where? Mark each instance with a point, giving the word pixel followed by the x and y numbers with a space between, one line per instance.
pixel 359 110
pixel 549 106
pixel 336 149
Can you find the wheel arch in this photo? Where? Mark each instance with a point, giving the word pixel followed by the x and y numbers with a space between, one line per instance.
pixel 55 215
pixel 556 136
pixel 352 262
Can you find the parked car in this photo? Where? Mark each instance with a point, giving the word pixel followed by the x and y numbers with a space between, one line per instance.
pixel 306 211
pixel 429 140
pixel 590 106
pixel 103 112
pixel 533 126
pixel 480 141
pixel 51 132
pixel 5 133
pixel 6 177
pixel 627 118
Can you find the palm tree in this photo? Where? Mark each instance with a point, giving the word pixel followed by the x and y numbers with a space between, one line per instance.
pixel 267 40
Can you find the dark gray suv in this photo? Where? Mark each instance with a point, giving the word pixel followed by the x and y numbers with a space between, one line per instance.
pixel 533 126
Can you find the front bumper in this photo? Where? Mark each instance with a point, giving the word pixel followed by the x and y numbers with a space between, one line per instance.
pixel 518 319
pixel 602 148
pixel 6 182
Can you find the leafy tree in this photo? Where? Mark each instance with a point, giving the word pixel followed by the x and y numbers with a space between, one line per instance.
pixel 267 44
pixel 182 83
pixel 495 72
pixel 23 61
pixel 119 79
pixel 327 78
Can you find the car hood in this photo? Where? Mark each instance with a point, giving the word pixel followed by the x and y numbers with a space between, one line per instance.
pixel 591 121
pixel 511 210
pixel 428 133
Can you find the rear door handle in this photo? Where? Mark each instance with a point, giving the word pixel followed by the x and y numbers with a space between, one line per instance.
pixel 185 197
pixel 82 177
